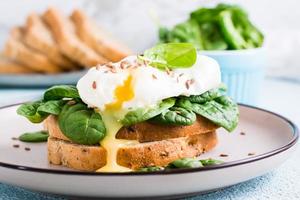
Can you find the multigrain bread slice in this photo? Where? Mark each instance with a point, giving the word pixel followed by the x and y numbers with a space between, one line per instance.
pixel 64 33
pixel 158 153
pixel 97 38
pixel 189 143
pixel 16 50
pixel 39 37
pixel 145 131
pixel 8 66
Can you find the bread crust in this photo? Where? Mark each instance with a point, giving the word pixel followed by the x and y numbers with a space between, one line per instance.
pixel 98 39
pixel 62 151
pixel 15 49
pixel 63 31
pixel 39 37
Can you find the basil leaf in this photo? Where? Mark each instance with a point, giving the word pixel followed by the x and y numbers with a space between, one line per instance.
pixel 210 161
pixel 171 55
pixel 30 111
pixel 221 111
pixel 51 107
pixel 81 124
pixel 185 163
pixel 150 169
pixel 141 114
pixel 59 92
pixel 176 116
pixel 38 136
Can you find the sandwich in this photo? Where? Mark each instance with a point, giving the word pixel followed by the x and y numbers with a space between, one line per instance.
pixel 143 111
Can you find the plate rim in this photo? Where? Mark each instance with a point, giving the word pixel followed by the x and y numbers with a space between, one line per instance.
pixel 281 149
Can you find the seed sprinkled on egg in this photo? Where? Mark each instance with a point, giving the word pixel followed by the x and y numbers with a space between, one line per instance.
pixel 94 85
pixel 153 76
pixel 124 64
pixel 187 85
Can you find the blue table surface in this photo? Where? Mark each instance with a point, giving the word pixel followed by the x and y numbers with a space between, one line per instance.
pixel 282 183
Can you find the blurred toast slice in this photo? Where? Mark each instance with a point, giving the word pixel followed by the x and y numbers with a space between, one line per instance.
pixel 16 50
pixel 38 37
pixel 64 34
pixel 97 39
pixel 8 66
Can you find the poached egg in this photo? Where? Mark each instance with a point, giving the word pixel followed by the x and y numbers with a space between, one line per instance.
pixel 115 88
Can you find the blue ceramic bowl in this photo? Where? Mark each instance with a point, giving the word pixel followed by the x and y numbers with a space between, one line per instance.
pixel 242 72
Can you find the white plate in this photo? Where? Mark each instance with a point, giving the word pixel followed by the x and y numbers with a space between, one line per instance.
pixel 40 80
pixel 271 137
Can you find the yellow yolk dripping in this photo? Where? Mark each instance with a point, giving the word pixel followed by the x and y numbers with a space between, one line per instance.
pixel 123 93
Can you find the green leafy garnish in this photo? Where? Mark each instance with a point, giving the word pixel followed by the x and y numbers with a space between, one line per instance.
pixel 150 169
pixel 221 111
pixel 224 27
pixel 59 92
pixel 81 124
pixel 185 163
pixel 141 114
pixel 171 55
pixel 30 111
pixel 176 116
pixel 38 136
pixel 37 111
pixel 210 161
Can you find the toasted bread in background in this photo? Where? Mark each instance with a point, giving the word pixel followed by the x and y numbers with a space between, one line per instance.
pixel 39 37
pixel 8 66
pixel 62 151
pixel 97 38
pixel 16 50
pixel 64 34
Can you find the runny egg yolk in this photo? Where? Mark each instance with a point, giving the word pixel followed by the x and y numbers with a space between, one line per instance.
pixel 122 94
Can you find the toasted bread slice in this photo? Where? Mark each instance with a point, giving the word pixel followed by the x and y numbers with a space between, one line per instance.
pixel 8 66
pixel 16 50
pixel 145 131
pixel 158 153
pixel 39 37
pixel 65 35
pixel 81 157
pixel 97 38
pixel 191 142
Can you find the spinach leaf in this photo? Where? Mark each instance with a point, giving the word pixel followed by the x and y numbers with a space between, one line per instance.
pixel 176 116
pixel 141 114
pixel 207 96
pixel 185 163
pixel 221 111
pixel 59 92
pixel 171 55
pixel 210 161
pixel 38 136
pixel 30 111
pixel 188 31
pixel 150 169
pixel 51 107
pixel 37 111
pixel 81 124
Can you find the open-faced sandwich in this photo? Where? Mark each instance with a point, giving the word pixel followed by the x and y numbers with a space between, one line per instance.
pixel 143 111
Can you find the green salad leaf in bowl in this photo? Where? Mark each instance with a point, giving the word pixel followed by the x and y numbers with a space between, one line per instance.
pixel 225 27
